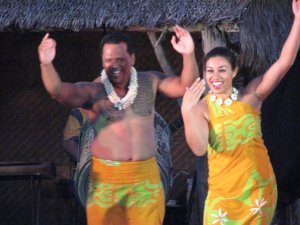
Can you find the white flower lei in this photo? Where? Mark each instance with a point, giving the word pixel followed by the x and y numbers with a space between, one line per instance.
pixel 128 99
pixel 228 101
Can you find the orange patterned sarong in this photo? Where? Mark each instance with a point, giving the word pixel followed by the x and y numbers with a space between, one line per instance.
pixel 125 193
pixel 241 182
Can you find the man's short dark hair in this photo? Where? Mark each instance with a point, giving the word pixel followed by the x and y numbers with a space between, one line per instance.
pixel 117 38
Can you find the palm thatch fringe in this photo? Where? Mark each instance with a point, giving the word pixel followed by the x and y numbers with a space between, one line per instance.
pixel 90 14
pixel 263 24
pixel 263 31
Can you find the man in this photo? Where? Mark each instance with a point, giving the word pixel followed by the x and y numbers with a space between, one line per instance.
pixel 125 185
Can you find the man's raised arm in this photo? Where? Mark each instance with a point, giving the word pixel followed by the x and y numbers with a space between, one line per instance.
pixel 67 93
pixel 174 86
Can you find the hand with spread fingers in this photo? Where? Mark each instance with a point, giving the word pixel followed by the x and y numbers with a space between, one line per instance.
pixel 193 95
pixel 182 41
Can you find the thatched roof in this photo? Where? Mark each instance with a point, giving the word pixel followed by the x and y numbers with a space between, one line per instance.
pixel 263 24
pixel 90 14
pixel 263 30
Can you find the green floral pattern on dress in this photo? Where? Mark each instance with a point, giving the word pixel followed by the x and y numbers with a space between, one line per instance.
pixel 106 195
pixel 228 134
pixel 239 131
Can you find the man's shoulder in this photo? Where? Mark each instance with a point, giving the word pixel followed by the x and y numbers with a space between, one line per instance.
pixel 94 88
pixel 145 73
pixel 152 74
pixel 96 83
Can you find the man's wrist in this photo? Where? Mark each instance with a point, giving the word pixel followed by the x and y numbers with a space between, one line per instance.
pixel 191 54
pixel 45 64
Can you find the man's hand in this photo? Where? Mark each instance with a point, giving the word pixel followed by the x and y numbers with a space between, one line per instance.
pixel 47 50
pixel 183 42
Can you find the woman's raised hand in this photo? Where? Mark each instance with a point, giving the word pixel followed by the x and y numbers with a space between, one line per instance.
pixel 193 94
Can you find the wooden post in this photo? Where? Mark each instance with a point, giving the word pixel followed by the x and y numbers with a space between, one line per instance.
pixel 212 37
pixel 160 53
pixel 161 56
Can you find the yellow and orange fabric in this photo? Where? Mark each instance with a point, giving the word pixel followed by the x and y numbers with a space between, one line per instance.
pixel 125 193
pixel 242 185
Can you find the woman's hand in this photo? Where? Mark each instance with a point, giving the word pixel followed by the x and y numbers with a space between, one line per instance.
pixel 192 95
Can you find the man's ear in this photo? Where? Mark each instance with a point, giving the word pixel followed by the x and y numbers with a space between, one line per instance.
pixel 132 58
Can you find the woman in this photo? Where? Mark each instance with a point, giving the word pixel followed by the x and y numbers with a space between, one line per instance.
pixel 226 125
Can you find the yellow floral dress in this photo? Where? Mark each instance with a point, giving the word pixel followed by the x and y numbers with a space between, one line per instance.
pixel 241 182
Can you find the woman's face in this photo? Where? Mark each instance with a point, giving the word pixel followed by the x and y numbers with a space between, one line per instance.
pixel 219 75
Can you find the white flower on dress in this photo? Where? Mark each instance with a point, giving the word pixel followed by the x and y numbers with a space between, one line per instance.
pixel 213 97
pixel 220 217
pixel 259 204
pixel 234 96
pixel 219 101
pixel 228 101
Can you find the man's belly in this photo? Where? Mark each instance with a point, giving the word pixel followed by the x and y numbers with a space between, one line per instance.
pixel 124 150
pixel 130 139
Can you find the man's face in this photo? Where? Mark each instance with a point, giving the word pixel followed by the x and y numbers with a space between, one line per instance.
pixel 117 63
